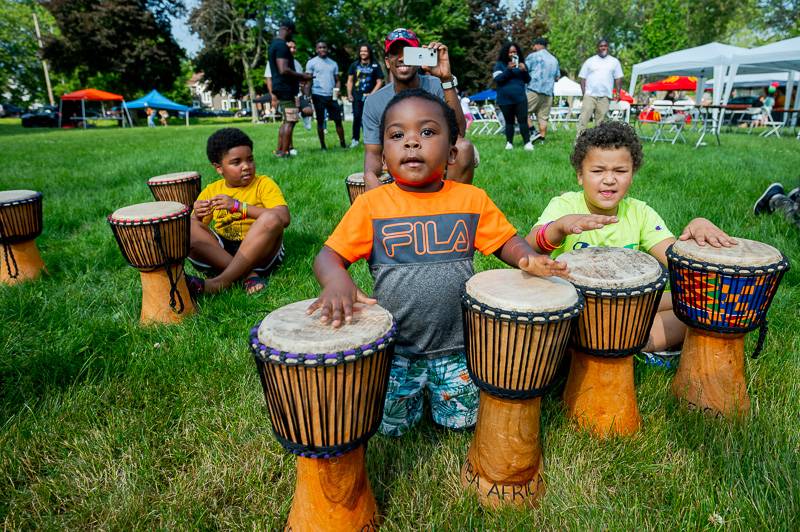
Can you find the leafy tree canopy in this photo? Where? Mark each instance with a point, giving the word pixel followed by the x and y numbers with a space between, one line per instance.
pixel 21 74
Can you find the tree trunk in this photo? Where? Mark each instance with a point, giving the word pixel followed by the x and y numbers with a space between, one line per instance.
pixel 251 90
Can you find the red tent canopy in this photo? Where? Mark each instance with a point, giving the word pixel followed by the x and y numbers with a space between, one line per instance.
pixel 672 83
pixel 623 95
pixel 94 95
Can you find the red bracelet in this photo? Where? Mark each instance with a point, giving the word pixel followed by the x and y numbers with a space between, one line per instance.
pixel 541 239
pixel 235 207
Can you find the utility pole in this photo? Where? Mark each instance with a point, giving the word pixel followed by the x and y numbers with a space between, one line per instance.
pixel 44 63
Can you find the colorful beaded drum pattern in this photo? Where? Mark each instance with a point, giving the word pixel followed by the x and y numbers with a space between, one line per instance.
pixel 723 298
pixel 325 395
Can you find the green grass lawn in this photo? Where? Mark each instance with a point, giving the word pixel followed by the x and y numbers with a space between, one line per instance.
pixel 104 424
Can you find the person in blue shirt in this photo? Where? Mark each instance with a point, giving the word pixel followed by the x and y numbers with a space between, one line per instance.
pixel 544 70
pixel 511 75
pixel 326 79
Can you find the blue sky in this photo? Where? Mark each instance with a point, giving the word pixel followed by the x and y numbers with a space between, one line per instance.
pixel 180 30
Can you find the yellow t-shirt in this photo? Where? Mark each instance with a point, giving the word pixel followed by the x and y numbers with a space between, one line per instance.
pixel 639 226
pixel 261 192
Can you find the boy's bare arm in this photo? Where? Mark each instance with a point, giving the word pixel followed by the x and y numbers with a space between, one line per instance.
pixel 339 292
pixel 517 253
pixel 373 165
pixel 571 224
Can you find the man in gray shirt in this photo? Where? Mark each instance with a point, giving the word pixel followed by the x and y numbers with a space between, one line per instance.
pixel 544 70
pixel 326 79
pixel 440 82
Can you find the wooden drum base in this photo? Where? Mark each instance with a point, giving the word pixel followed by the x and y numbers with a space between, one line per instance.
pixel 155 297
pixel 504 462
pixel 600 394
pixel 710 373
pixel 29 264
pixel 333 495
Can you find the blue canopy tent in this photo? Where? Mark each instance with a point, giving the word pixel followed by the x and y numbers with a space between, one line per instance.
pixel 155 100
pixel 488 94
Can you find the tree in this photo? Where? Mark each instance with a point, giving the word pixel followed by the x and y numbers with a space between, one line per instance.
pixel 126 42
pixel 485 36
pixel 21 74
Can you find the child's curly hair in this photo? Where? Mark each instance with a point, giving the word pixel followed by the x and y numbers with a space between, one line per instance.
pixel 223 140
pixel 608 136
pixel 449 114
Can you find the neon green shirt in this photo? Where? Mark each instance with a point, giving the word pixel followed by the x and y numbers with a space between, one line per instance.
pixel 639 226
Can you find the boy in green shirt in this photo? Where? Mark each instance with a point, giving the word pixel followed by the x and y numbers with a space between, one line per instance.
pixel 605 159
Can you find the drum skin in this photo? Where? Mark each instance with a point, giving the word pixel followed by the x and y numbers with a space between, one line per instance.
pixel 720 293
pixel 622 288
pixel 20 225
pixel 516 329
pixel 325 389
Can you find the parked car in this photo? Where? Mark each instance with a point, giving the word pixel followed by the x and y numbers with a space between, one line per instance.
pixel 752 101
pixel 199 112
pixel 46 116
pixel 9 110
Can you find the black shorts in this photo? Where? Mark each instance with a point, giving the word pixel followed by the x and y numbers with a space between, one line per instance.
pixel 232 246
pixel 326 103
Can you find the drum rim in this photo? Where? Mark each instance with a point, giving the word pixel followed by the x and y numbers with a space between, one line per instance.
pixel 470 303
pixel 633 291
pixel 744 271
pixel 36 197
pixel 194 177
pixel 269 355
pixel 149 221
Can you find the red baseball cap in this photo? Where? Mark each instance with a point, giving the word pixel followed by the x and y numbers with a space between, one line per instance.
pixel 401 35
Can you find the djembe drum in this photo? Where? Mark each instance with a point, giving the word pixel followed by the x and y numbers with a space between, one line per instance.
pixel 20 224
pixel 154 239
pixel 325 390
pixel 721 294
pixel 516 329
pixel 183 187
pixel 622 289
pixel 356 186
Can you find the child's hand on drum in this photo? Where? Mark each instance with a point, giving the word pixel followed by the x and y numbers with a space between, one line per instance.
pixel 223 202
pixel 575 224
pixel 704 232
pixel 337 299
pixel 542 266
pixel 202 208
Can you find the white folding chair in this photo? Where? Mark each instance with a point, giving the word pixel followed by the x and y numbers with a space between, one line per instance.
pixel 485 121
pixel 774 126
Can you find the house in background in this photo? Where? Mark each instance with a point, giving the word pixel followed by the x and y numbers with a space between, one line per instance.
pixel 204 98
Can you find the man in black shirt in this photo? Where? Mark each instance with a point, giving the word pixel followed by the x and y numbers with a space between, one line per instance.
pixel 363 78
pixel 285 85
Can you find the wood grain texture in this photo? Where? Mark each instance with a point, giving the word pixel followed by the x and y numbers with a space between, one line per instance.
pixel 29 264
pixel 710 373
pixel 333 495
pixel 155 297
pixel 504 463
pixel 600 395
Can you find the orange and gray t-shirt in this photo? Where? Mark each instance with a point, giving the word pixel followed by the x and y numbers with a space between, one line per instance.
pixel 420 248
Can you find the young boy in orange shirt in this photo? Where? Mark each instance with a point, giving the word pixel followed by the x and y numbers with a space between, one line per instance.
pixel 605 159
pixel 419 235
pixel 237 224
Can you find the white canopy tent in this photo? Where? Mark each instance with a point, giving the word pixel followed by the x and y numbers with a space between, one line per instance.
pixel 781 56
pixel 709 61
pixel 567 87
pixel 756 80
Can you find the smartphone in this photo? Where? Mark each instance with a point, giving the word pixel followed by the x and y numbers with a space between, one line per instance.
pixel 420 56
pixel 515 60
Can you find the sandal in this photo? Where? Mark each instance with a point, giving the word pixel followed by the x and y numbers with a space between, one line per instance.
pixel 254 284
pixel 196 286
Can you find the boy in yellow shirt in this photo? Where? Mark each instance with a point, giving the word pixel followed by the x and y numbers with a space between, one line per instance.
pixel 238 221
pixel 605 159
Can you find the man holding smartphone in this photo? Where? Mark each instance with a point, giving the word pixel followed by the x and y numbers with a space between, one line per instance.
pixel 439 81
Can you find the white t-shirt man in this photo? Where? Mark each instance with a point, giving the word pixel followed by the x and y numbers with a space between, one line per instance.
pixel 600 73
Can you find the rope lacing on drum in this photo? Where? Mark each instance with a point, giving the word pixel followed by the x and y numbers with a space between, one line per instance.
pixel 8 253
pixel 762 335
pixel 175 298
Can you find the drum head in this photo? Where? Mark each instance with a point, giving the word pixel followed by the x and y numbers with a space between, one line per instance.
pixel 12 196
pixel 355 179
pixel 177 176
pixel 291 330
pixel 153 210
pixel 517 291
pixel 611 268
pixel 746 253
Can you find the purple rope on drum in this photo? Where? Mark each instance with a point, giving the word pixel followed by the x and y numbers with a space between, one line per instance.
pixel 298 394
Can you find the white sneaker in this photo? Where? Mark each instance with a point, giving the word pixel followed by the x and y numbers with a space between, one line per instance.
pixel 354 143
pixel 293 152
pixel 509 146
pixel 307 122
pixel 528 147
